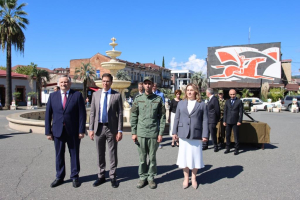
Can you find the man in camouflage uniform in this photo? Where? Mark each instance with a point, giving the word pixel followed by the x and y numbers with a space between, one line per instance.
pixel 222 102
pixel 147 112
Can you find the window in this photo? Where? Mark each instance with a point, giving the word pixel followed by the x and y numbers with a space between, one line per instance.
pixel 289 98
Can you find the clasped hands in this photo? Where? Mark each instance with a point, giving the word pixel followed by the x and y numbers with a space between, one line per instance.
pixel 118 136
pixel 50 136
pixel 175 137
pixel 238 124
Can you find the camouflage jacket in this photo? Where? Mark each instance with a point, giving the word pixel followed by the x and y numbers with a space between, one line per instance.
pixel 148 116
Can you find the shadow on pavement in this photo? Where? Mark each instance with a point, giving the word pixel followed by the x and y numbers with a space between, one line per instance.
pixel 3 136
pixel 215 175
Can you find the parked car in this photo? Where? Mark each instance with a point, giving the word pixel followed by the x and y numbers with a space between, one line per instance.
pixel 288 101
pixel 260 105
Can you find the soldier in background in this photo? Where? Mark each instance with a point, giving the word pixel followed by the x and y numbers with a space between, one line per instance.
pixel 222 102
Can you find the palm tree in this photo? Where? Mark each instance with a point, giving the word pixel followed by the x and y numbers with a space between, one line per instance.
pixel 86 72
pixel 246 93
pixel 41 76
pixel 12 23
pixel 199 78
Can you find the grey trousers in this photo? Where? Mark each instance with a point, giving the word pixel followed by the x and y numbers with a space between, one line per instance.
pixel 103 134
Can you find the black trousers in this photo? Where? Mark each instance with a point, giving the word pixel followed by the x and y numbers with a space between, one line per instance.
pixel 212 130
pixel 222 132
pixel 235 128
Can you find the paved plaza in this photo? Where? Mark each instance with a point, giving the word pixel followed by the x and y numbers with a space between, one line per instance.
pixel 27 168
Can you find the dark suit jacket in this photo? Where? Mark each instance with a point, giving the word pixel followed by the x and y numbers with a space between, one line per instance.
pixel 195 123
pixel 73 116
pixel 213 109
pixel 115 112
pixel 233 114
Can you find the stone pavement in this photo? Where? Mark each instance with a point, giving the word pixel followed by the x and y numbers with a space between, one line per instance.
pixel 27 168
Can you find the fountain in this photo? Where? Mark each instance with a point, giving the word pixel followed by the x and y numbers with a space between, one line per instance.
pixel 114 66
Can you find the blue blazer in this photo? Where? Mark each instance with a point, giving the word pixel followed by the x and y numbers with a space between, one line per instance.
pixel 194 124
pixel 74 115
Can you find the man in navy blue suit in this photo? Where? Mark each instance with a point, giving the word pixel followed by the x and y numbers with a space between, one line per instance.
pixel 65 120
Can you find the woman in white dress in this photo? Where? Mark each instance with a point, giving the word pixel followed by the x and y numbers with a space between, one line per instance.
pixel 172 111
pixel 191 127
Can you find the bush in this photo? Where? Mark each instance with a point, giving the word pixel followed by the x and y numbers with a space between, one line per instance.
pixel 275 94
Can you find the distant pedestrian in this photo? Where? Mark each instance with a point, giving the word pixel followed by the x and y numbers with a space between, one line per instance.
pixel 172 111
pixel 213 110
pixel 222 102
pixel 56 88
pixel 159 93
pixel 233 116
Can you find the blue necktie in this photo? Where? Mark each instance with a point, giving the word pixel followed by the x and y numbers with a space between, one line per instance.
pixel 104 110
pixel 232 101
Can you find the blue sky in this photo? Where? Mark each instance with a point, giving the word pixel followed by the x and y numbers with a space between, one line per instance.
pixel 181 31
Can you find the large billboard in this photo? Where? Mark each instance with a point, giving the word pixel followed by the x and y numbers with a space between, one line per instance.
pixel 245 63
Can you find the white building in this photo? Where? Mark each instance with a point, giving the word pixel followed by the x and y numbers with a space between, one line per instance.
pixel 181 78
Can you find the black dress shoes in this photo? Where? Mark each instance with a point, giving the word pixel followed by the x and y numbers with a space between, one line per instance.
pixel 98 182
pixel 57 182
pixel 216 149
pixel 226 151
pixel 236 152
pixel 204 148
pixel 114 183
pixel 76 183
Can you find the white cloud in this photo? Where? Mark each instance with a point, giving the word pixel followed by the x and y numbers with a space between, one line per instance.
pixel 193 63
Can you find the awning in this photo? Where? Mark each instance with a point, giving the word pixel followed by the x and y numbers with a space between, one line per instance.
pixel 232 84
pixel 94 88
pixel 292 87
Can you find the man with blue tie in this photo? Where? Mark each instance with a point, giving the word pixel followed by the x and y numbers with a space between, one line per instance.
pixel 233 117
pixel 65 123
pixel 106 124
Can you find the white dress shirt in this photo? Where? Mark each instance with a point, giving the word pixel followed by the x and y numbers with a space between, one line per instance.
pixel 102 103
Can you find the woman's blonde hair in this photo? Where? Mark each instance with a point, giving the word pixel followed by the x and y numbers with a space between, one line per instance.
pixel 195 88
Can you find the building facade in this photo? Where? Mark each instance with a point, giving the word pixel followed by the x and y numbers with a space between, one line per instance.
pixel 246 66
pixel 181 78
pixel 137 71
pixel 20 83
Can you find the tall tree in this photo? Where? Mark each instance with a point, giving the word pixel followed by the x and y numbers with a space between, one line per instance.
pixel 12 23
pixel 163 62
pixel 27 70
pixel 42 77
pixel 86 72
pixel 154 62
pixel 199 78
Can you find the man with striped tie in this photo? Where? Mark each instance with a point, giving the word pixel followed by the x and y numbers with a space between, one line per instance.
pixel 106 124
pixel 233 117
pixel 65 120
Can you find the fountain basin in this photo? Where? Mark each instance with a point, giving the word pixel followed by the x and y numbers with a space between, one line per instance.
pixel 117 84
pixel 113 54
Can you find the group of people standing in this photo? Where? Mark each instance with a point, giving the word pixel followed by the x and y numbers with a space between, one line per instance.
pixel 191 123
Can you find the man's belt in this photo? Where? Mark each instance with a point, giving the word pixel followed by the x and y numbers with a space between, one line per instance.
pixel 104 124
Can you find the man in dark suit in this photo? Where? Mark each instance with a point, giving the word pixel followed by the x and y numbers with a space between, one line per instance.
pixel 106 124
pixel 213 110
pixel 66 111
pixel 233 116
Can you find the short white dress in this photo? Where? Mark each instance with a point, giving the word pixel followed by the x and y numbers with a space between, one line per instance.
pixel 190 151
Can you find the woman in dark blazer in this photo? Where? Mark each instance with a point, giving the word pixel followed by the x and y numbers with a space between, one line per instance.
pixel 191 127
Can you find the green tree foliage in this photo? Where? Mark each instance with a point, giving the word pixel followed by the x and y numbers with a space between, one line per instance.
pixel 42 77
pixel 27 70
pixel 246 93
pixel 2 68
pixel 199 78
pixel 154 62
pixel 123 75
pixel 134 92
pixel 163 62
pixel 86 72
pixel 168 93
pixel 275 94
pixel 12 24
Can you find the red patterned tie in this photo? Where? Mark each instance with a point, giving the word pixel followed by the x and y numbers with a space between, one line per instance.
pixel 65 101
